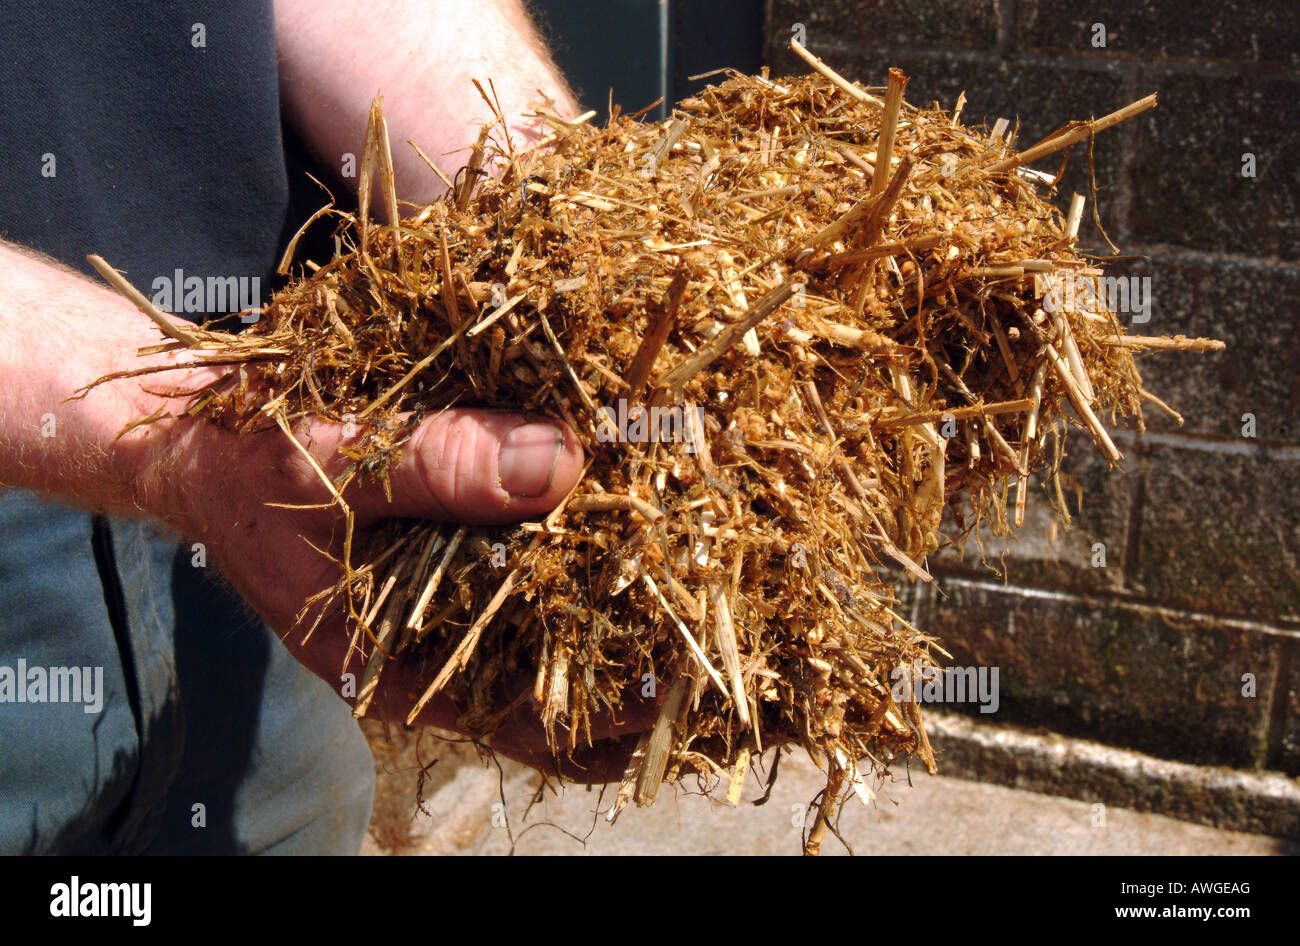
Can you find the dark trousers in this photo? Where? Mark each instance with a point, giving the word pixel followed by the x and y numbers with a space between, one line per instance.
pixel 207 738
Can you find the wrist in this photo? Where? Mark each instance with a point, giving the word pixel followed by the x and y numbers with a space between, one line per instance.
pixel 167 456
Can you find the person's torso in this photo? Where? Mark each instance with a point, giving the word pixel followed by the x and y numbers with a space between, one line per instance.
pixel 148 133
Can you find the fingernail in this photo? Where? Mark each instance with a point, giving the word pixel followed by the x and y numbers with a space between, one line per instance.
pixel 528 457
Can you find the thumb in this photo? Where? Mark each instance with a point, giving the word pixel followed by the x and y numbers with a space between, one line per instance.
pixel 477 466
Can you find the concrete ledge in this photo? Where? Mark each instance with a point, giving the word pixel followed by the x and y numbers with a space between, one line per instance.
pixel 1055 765
pixel 468 809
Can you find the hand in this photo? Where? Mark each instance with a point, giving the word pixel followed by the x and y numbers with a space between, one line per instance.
pixel 209 483
pixel 470 466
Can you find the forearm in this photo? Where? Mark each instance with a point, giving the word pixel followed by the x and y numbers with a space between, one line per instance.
pixel 421 54
pixel 59 331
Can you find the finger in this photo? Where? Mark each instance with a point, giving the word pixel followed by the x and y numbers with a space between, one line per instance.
pixel 521 736
pixel 477 466
pixel 519 733
pixel 599 764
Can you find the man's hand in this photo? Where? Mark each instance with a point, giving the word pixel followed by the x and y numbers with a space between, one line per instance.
pixel 470 466
pixel 59 332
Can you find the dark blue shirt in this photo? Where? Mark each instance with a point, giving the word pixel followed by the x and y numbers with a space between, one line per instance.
pixel 150 133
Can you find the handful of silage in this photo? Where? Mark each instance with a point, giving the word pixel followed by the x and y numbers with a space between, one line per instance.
pixel 785 354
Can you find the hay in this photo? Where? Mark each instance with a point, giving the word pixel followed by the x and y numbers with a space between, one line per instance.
pixel 833 347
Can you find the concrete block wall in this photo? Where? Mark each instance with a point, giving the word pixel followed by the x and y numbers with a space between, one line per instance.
pixel 1200 594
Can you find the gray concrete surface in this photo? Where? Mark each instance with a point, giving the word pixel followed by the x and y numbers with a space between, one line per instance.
pixel 933 816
